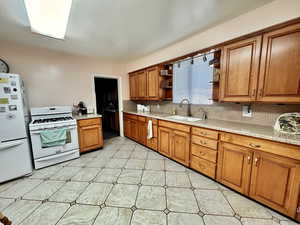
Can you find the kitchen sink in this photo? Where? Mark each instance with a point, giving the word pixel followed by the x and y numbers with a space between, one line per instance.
pixel 184 118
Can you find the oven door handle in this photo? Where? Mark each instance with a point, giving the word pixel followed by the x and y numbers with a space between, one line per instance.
pixel 56 156
pixel 38 132
pixel 4 146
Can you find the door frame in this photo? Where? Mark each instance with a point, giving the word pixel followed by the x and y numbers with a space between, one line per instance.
pixel 120 96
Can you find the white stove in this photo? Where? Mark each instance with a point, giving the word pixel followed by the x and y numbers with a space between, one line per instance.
pixel 53 118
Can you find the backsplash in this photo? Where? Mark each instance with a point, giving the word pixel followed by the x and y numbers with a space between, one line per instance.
pixel 262 114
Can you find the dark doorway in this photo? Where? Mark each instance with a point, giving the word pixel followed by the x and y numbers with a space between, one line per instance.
pixel 108 105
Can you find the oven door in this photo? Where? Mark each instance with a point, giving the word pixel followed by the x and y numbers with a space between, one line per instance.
pixel 39 151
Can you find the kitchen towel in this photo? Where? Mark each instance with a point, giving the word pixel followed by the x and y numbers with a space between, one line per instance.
pixel 149 130
pixel 53 137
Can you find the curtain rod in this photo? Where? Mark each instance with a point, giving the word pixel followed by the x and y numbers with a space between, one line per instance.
pixel 196 56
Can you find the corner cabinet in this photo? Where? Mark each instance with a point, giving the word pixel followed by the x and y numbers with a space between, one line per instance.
pixel 90 134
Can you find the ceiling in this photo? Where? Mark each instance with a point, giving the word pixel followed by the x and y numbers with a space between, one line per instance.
pixel 123 29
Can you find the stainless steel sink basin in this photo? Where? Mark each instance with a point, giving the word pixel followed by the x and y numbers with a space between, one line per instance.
pixel 184 118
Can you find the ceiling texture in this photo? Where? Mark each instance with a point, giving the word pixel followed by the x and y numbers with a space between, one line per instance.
pixel 123 29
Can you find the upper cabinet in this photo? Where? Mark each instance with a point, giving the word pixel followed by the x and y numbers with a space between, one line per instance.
pixel 149 84
pixel 277 56
pixel 239 70
pixel 280 66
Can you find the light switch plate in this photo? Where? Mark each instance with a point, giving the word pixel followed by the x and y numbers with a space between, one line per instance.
pixel 247 111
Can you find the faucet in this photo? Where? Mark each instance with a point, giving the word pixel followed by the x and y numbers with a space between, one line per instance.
pixel 185 100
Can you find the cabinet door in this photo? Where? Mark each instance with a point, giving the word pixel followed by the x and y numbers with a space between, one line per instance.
pixel 152 143
pixel 239 70
pixel 181 147
pixel 234 167
pixel 141 85
pixel 152 83
pixel 280 65
pixel 134 129
pixel 127 128
pixel 142 132
pixel 275 182
pixel 164 141
pixel 90 137
pixel 133 86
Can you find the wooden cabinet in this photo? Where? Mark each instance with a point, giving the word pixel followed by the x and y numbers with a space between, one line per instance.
pixel 152 143
pixel 275 182
pixel 153 83
pixel 142 130
pixel 90 134
pixel 131 126
pixel 280 65
pixel 133 83
pixel 234 167
pixel 174 141
pixel 141 84
pixel 239 70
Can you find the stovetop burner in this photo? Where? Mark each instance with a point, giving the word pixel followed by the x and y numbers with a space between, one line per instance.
pixel 49 120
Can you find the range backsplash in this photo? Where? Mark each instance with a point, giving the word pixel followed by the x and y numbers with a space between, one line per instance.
pixel 262 114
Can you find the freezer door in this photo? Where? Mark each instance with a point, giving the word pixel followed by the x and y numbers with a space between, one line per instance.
pixel 12 122
pixel 15 159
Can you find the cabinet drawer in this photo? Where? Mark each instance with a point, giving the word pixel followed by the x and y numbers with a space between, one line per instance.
pixel 142 118
pixel 175 126
pixel 205 142
pixel 154 121
pixel 203 166
pixel 205 132
pixel 204 153
pixel 130 116
pixel 286 150
pixel 88 122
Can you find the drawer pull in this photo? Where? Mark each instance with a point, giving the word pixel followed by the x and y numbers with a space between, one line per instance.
pixel 203 133
pixel 249 159
pixel 203 142
pixel 202 153
pixel 254 145
pixel 256 161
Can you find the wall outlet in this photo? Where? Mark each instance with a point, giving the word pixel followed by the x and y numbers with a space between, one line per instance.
pixel 247 111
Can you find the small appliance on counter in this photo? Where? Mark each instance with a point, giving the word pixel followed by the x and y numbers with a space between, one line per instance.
pixel 288 123
pixel 142 108
pixel 80 109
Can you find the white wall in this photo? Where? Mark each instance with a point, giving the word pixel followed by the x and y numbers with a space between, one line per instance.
pixel 270 14
pixel 56 78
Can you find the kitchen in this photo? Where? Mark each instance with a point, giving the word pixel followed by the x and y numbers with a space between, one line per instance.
pixel 216 166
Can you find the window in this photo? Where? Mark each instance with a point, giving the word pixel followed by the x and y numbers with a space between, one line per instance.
pixel 192 80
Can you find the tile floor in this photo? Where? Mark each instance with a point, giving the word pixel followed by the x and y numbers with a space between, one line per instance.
pixel 126 183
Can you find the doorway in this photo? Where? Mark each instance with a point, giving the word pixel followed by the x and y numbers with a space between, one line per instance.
pixel 107 104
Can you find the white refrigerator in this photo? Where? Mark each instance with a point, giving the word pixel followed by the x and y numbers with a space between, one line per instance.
pixel 15 153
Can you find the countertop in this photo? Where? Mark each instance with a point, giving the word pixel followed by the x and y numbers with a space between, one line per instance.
pixel 258 131
pixel 87 116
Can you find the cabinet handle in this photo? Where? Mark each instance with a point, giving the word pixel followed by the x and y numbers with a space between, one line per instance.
pixel 202 153
pixel 253 92
pixel 203 133
pixel 256 161
pixel 254 145
pixel 260 92
pixel 249 159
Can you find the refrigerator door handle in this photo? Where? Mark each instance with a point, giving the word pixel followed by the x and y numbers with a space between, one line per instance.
pixel 12 144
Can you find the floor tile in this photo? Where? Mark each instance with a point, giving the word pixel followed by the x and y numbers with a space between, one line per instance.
pixel 86 174
pixel 288 223
pixel 184 219
pixel 92 154
pixel 150 197
pixel 123 154
pixel 245 207
pixel 107 153
pixel 108 175
pixel 19 210
pixel 44 191
pixel 69 192
pixel 151 177
pixel 116 163
pixel 114 216
pixel 220 220
pixel 181 200
pixel 135 164
pixel 5 202
pixel 48 213
pixel 80 162
pixel 80 215
pixel 65 173
pixel 95 194
pixel 129 176
pixel 213 202
pixel 128 147
pixel 155 155
pixel 153 164
pixel 173 166
pixel 98 162
pixel 9 184
pixel 200 181
pixel 139 154
pixel 45 172
pixel 146 217
pixel 252 221
pixel 122 195
pixel 177 179
pixel 20 188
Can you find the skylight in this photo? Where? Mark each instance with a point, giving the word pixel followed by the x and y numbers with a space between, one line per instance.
pixel 49 17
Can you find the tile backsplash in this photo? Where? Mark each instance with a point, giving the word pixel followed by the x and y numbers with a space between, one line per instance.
pixel 262 114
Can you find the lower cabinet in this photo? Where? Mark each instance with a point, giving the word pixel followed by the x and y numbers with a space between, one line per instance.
pixel 142 130
pixel 90 134
pixel 152 142
pixel 165 141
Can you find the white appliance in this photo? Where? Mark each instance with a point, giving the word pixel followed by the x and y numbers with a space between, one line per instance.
pixel 55 117
pixel 15 154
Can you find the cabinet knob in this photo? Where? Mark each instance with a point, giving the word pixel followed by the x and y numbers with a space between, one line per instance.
pixel 254 145
pixel 249 159
pixel 256 161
